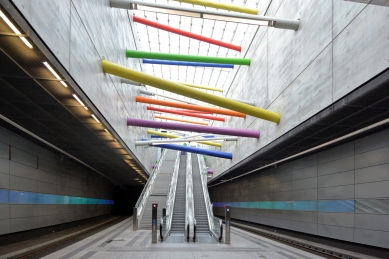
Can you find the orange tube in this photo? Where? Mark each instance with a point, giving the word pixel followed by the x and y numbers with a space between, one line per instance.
pixel 174 119
pixel 141 99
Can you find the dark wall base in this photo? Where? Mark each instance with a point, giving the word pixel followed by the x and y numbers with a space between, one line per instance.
pixel 17 237
pixel 358 248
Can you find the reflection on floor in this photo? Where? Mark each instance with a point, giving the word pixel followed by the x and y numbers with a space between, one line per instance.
pixel 119 241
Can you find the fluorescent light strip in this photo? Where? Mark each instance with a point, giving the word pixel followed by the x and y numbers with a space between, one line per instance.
pixel 15 30
pixel 78 100
pixel 54 73
pixel 94 117
pixel 107 131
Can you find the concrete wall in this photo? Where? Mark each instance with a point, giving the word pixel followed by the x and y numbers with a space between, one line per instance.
pixel 33 169
pixel 299 73
pixel 80 33
pixel 352 178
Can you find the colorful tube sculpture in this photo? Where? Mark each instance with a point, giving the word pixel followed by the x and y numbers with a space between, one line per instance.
pixel 202 87
pixel 141 99
pixel 182 63
pixel 191 58
pixel 210 171
pixel 186 33
pixel 229 7
pixel 196 115
pixel 191 111
pixel 173 87
pixel 196 150
pixel 193 128
pixel 181 120
pixel 167 135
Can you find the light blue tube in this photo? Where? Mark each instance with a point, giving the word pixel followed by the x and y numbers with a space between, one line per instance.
pixel 196 150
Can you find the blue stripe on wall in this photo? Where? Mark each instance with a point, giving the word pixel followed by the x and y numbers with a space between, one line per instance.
pixel 322 205
pixel 19 197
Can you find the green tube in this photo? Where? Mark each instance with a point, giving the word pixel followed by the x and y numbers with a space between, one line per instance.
pixel 190 58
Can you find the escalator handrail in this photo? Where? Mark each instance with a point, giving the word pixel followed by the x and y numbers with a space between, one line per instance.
pixel 170 199
pixel 207 200
pixel 189 206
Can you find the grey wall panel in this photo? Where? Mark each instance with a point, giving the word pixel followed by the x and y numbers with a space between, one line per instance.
pixel 23 157
pixel 4 136
pixel 4 150
pixel 282 187
pixel 372 222
pixel 5 226
pixel 338 192
pixel 371 142
pixel 47 188
pixel 340 165
pixel 305 216
pixel 49 166
pixel 22 144
pixel 280 196
pixel 304 195
pixel 371 158
pixel 282 223
pixel 4 181
pixel 309 183
pixel 304 162
pixel 4 165
pixel 4 211
pixel 303 173
pixel 23 184
pixel 372 190
pixel 46 209
pixel 23 170
pixel 337 179
pixel 372 174
pixel 23 210
pixel 371 237
pixel 343 13
pixel 45 221
pixel 310 228
pixel 21 224
pixel 336 153
pixel 341 233
pixel 336 219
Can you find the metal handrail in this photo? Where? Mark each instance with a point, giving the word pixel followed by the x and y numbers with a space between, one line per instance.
pixel 166 221
pixel 190 220
pixel 214 222
pixel 145 193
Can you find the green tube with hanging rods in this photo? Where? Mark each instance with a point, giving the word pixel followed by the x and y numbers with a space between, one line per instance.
pixel 190 58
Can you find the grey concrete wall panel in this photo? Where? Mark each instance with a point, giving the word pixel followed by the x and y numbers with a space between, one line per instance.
pixel 4 150
pixel 336 219
pixel 47 188
pixel 282 187
pixel 372 174
pixel 343 13
pixel 4 166
pixel 23 210
pixel 22 224
pixel 372 222
pixel 337 192
pixel 279 196
pixel 304 162
pixel 336 153
pixel 371 237
pixel 4 181
pixel 369 44
pixel 305 227
pixel 4 136
pixel 371 142
pixel 341 233
pixel 309 183
pixel 372 158
pixel 343 178
pixel 23 184
pixel 304 195
pixel 304 173
pixel 4 211
pixel 23 157
pixel 46 209
pixel 305 216
pixel 340 165
pixel 5 226
pixel 22 144
pixel 372 190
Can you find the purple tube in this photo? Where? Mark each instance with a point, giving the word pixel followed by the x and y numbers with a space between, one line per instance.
pixel 210 171
pixel 153 166
pixel 193 128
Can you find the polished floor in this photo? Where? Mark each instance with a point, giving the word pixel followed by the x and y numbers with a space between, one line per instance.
pixel 120 241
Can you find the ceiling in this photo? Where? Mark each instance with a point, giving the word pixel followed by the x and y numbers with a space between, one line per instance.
pixel 33 98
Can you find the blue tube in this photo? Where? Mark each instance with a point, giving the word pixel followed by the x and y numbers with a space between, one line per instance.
pixel 196 150
pixel 181 63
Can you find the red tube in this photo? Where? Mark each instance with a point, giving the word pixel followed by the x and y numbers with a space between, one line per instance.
pixel 191 111
pixel 185 33
pixel 150 108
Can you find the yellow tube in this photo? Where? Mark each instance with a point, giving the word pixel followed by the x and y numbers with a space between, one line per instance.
pixel 167 135
pixel 131 74
pixel 181 120
pixel 229 7
pixel 202 87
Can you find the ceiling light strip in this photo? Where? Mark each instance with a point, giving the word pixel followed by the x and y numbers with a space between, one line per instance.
pixel 54 73
pixel 281 23
pixel 52 146
pixel 79 101
pixel 188 64
pixel 223 6
pixel 195 115
pixel 185 33
pixel 14 29
pixel 182 57
pixel 193 128
pixel 94 117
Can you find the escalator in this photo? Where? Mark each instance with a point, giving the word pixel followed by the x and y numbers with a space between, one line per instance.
pixel 202 225
pixel 178 220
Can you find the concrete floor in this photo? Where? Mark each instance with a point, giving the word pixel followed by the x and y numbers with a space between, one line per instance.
pixel 119 241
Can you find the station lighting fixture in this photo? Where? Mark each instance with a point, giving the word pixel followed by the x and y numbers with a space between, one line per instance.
pixel 54 73
pixel 275 22
pixel 15 30
pixel 107 131
pixel 79 101
pixel 94 117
